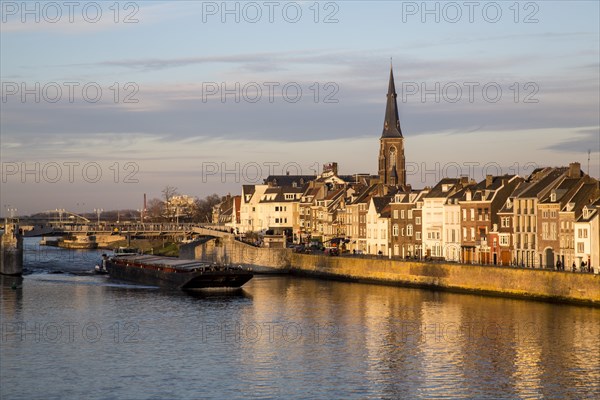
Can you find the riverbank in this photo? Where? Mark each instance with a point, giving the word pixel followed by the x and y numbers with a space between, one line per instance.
pixel 537 284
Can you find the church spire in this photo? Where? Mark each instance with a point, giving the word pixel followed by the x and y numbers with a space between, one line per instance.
pixel 391 124
pixel 392 164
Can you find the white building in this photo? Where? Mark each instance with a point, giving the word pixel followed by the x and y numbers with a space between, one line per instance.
pixel 587 237
pixel 434 211
pixel 451 229
pixel 251 215
pixel 378 220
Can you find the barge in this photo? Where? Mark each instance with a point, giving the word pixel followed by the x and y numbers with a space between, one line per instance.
pixel 175 273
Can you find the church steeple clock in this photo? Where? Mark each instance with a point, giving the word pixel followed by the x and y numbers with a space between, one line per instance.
pixel 392 168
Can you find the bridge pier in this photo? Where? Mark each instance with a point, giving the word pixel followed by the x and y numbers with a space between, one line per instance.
pixel 11 250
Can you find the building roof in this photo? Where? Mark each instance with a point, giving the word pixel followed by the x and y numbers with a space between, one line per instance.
pixel 540 182
pixel 438 190
pixel 248 189
pixel 380 203
pixel 365 195
pixel 587 195
pixel 563 191
pixel 289 180
pixel 276 194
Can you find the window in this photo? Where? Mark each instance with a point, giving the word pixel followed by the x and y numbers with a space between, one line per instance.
pixel 580 247
pixel 402 214
pixel 418 220
pixel 418 236
pixel 504 240
pixel 392 157
pixel 472 214
pixel 472 233
pixel 402 232
pixel 395 230
pixel 395 214
pixel 464 212
pixel 505 222
pixel 410 214
pixel 409 230
pixel 464 233
pixel 545 230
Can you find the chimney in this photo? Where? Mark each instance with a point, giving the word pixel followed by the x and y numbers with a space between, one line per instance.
pixel 488 180
pixel 464 180
pixel 574 170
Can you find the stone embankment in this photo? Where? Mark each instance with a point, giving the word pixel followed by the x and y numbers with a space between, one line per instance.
pixel 503 281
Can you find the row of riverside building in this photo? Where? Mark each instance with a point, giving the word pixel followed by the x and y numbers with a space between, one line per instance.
pixel 550 218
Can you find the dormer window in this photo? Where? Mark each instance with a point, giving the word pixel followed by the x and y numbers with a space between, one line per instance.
pixel 553 196
pixel 586 212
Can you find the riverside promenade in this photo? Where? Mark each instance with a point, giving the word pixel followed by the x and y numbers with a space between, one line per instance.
pixel 537 284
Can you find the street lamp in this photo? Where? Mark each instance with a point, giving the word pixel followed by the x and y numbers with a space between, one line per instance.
pixel 60 212
pixel 98 211
pixel 142 211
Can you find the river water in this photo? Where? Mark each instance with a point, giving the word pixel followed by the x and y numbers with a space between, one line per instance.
pixel 69 334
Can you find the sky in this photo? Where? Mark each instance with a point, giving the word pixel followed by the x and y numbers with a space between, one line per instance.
pixel 105 101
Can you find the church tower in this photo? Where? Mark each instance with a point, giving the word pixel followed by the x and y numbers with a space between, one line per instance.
pixel 392 168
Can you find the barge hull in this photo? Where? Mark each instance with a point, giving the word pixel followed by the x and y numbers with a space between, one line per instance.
pixel 185 281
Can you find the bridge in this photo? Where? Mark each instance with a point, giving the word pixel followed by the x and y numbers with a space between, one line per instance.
pixel 135 229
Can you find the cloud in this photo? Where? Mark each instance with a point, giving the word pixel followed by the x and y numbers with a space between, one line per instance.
pixel 90 17
pixel 582 141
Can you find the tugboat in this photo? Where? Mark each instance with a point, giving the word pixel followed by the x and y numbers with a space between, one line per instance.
pixel 175 273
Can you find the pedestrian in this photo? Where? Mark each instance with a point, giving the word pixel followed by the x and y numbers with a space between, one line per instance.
pixel 574 266
pixel 558 265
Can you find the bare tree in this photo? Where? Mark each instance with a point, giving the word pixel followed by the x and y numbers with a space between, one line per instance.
pixel 168 193
pixel 155 209
pixel 204 207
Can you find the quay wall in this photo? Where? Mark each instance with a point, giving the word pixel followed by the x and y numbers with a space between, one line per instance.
pixel 503 281
pixel 228 250
pixel 506 281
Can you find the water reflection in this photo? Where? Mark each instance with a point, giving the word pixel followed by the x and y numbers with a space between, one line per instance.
pixel 285 337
